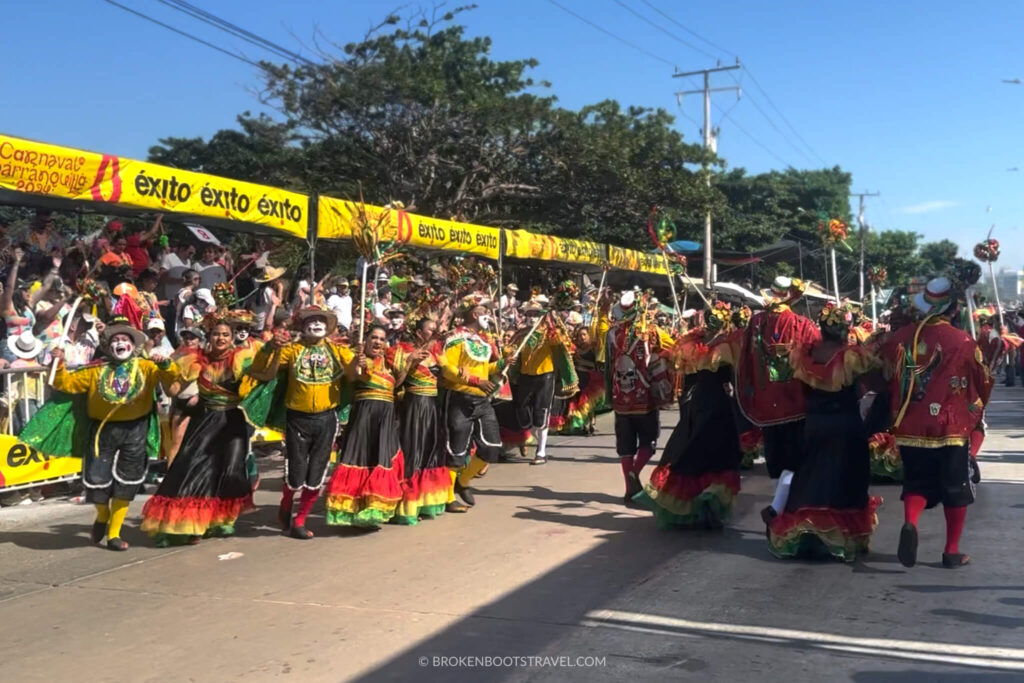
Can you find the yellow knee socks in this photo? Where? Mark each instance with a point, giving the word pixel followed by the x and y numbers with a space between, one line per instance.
pixel 454 474
pixel 102 513
pixel 471 470
pixel 118 511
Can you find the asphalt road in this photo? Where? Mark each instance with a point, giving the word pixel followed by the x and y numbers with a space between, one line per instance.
pixel 548 578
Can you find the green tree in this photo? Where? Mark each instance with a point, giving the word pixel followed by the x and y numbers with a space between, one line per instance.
pixel 936 256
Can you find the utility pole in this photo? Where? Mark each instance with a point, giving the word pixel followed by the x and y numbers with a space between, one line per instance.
pixel 709 144
pixel 863 234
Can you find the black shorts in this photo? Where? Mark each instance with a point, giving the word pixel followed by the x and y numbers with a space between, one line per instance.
pixel 633 432
pixel 118 467
pixel 532 397
pixel 470 420
pixel 941 475
pixel 308 440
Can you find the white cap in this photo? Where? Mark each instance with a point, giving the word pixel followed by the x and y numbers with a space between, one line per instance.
pixel 155 324
pixel 206 296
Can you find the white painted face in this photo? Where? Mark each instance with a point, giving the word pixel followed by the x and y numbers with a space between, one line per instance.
pixel 397 322
pixel 122 347
pixel 485 322
pixel 316 328
pixel 241 334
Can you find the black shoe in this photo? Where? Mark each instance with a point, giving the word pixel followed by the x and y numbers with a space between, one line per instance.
pixel 98 531
pixel 456 507
pixel 955 560
pixel 768 513
pixel 633 485
pixel 907 552
pixel 539 460
pixel 117 544
pixel 465 494
pixel 299 531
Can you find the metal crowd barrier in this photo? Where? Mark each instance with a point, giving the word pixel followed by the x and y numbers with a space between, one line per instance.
pixel 22 402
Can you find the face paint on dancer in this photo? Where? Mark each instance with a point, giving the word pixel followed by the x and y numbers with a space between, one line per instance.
pixel 220 339
pixel 316 328
pixel 241 335
pixel 376 343
pixel 122 347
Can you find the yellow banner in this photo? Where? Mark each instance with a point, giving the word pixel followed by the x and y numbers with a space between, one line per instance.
pixel 22 464
pixel 630 259
pixel 528 245
pixel 53 171
pixel 337 219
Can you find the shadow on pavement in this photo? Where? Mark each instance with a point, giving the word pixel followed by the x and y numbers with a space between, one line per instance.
pixel 917 676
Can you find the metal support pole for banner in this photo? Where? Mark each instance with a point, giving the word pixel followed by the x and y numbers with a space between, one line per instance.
pixel 835 277
pixel 995 292
pixel 312 227
pixel 874 304
pixel 501 281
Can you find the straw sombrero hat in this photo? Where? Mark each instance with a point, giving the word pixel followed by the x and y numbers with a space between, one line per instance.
pixel 120 325
pixel 268 274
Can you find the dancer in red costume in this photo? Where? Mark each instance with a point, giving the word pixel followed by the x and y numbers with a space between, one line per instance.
pixel 940 386
pixel 768 394
pixel 640 386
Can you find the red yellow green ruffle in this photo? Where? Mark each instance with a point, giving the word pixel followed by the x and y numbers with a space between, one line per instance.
pixel 362 496
pixel 885 457
pixel 842 370
pixel 844 533
pixel 678 500
pixel 514 438
pixel 192 516
pixel 425 497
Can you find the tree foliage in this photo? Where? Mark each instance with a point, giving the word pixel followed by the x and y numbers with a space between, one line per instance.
pixel 418 111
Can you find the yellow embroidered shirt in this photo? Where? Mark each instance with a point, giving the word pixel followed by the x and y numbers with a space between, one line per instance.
pixel 117 393
pixel 314 373
pixel 467 352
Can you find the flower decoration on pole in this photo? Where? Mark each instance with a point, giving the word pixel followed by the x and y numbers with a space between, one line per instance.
pixel 987 251
pixel 878 276
pixel 663 231
pixel 833 232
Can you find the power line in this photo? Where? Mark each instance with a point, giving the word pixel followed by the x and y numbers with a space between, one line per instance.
pixel 235 30
pixel 757 142
pixel 781 115
pixel 612 35
pixel 772 124
pixel 753 78
pixel 663 29
pixel 692 33
pixel 186 34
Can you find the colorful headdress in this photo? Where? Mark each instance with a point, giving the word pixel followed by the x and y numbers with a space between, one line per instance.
pixel 833 232
pixel 719 317
pixel 786 290
pixel 566 295
pixel 836 317
pixel 214 317
pixel 224 295
pixel 937 298
pixel 241 316
pixel 741 317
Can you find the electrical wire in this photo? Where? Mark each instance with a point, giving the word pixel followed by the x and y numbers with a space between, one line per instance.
pixel 663 29
pixel 778 111
pixel 229 53
pixel 753 79
pixel 612 35
pixel 235 30
pixel 691 32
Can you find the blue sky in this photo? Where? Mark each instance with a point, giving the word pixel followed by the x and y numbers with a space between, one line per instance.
pixel 904 95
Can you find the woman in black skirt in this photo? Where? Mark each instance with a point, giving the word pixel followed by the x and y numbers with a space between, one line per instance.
pixel 698 478
pixel 829 511
pixel 366 486
pixel 207 486
pixel 420 426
